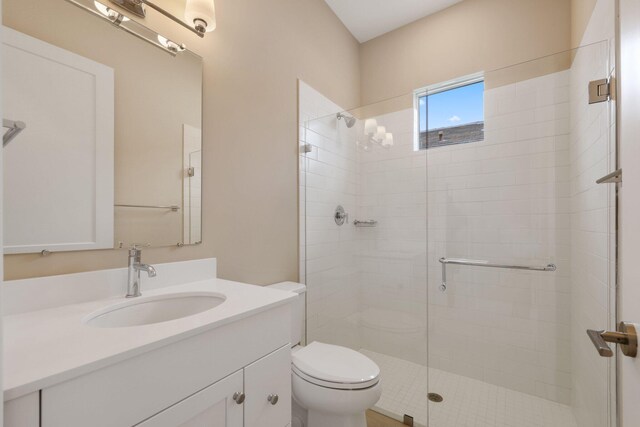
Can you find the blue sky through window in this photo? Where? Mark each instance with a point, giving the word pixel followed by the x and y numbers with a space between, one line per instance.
pixel 453 107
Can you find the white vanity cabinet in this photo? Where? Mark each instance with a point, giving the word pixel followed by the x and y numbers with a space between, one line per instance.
pixel 267 386
pixel 61 371
pixel 213 406
pixel 187 383
pixel 257 396
pixel 263 401
pixel 23 411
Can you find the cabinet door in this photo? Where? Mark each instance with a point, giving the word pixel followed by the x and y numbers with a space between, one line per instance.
pixel 23 411
pixel 213 407
pixel 267 385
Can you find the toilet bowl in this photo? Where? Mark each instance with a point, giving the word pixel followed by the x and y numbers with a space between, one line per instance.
pixel 332 386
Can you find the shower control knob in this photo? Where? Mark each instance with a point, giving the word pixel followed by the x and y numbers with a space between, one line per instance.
pixel 273 399
pixel 442 287
pixel 238 397
pixel 340 216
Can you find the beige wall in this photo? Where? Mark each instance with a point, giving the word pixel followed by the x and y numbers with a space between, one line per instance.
pixel 581 11
pixel 472 36
pixel 251 66
pixel 251 63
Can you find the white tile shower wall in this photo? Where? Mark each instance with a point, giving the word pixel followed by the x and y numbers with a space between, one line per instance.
pixel 504 199
pixel 392 191
pixel 593 226
pixel 328 178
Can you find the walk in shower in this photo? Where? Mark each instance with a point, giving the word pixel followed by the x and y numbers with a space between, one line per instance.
pixel 469 260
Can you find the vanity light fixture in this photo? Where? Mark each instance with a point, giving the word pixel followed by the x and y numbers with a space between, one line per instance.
pixel 200 14
pixel 132 27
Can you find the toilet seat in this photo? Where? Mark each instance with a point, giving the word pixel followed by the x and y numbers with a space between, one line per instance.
pixel 335 367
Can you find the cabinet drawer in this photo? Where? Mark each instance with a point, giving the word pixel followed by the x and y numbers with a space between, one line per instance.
pixel 269 376
pixel 213 406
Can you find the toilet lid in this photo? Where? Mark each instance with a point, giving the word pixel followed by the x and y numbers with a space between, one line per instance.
pixel 335 366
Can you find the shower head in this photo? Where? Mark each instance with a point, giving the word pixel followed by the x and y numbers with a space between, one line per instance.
pixel 348 120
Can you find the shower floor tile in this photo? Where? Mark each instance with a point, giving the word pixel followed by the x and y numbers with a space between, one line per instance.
pixel 467 402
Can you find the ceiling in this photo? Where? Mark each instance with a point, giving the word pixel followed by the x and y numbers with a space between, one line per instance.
pixel 367 19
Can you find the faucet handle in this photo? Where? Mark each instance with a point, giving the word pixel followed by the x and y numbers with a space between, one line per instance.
pixel 135 250
pixel 139 246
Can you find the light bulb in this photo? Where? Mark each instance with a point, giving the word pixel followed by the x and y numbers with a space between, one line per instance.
pixel 201 14
pixel 108 12
pixel 388 140
pixel 370 126
pixel 170 45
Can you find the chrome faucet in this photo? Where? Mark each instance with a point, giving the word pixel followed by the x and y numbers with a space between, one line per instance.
pixel 135 267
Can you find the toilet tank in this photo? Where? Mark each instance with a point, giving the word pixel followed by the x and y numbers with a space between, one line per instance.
pixel 297 310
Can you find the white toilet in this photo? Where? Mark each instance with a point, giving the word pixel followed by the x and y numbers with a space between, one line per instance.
pixel 332 386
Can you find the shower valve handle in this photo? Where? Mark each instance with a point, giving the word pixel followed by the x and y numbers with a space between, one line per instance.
pixel 341 216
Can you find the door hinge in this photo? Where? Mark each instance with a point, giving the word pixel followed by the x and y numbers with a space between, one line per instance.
pixel 191 172
pixel 599 91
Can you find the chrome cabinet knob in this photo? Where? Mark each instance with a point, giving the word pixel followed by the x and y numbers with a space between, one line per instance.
pixel 238 397
pixel 273 399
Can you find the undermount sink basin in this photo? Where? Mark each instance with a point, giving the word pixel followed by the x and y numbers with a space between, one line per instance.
pixel 153 309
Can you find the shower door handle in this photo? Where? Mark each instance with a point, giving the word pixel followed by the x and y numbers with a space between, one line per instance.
pixel 626 337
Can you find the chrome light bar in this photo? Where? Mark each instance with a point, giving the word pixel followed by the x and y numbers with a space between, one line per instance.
pixel 136 7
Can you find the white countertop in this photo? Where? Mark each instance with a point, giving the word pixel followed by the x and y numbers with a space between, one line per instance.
pixel 46 347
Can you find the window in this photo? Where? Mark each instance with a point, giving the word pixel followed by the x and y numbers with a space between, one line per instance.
pixel 451 113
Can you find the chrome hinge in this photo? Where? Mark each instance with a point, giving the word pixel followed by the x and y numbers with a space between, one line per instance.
pixel 191 172
pixel 306 148
pixel 599 91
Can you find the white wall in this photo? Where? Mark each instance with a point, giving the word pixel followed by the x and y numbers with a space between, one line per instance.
pixel 629 286
pixel 1 236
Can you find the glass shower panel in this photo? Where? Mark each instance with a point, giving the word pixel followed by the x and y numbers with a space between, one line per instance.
pixel 507 346
pixel 365 271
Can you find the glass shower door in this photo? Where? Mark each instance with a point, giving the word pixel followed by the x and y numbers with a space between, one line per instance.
pixel 521 253
pixel 365 271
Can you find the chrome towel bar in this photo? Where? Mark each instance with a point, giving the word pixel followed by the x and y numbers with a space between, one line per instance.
pixel 173 208
pixel 481 263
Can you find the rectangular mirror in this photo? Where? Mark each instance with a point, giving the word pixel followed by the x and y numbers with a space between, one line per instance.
pixel 111 155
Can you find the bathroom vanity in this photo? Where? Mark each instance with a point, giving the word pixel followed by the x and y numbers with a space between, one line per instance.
pixel 71 358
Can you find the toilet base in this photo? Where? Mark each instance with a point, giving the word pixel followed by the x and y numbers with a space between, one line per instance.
pixel 322 419
pixel 303 418
pixel 309 404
